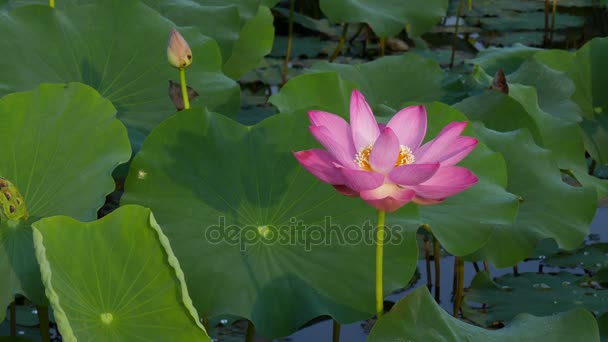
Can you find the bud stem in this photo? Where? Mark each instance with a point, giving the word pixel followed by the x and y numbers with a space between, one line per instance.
pixel 379 264
pixel 182 80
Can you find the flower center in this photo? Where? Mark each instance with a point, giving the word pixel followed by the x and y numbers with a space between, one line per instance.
pixel 362 158
pixel 405 157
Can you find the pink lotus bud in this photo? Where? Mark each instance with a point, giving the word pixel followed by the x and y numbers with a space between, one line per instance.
pixel 178 51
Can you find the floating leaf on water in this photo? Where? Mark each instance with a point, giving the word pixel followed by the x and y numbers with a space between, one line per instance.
pixel 590 257
pixel 533 293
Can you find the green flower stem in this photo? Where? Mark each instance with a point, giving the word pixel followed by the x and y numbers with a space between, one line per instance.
pixel 427 259
pixel 436 258
pixel 335 336
pixel 43 317
pixel 553 21
pixel 455 279
pixel 379 263
pixel 292 4
pixel 340 43
pixel 182 80
pixel 52 3
pixel 382 46
pixel 460 290
pixel 250 332
pixel 455 41
pixel 546 37
pixel 13 319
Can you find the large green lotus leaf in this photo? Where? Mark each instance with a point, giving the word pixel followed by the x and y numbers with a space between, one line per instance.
pixel 220 22
pixel 387 17
pixel 117 47
pixel 509 59
pixel 61 143
pixel 568 153
pixel 255 42
pixel 243 39
pixel 521 109
pixel 117 280
pixel 587 69
pixel 265 237
pixel 393 80
pixel 418 318
pixel 323 90
pixel 549 207
pixel 554 89
pixel 462 223
pixel 554 114
pixel 533 293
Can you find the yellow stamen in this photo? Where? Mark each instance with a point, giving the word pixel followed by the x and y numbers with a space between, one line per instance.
pixel 405 157
pixel 362 158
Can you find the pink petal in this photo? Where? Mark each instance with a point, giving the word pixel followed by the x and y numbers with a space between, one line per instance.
pixel 385 152
pixel 321 164
pixel 432 151
pixel 409 124
pixel 335 124
pixel 413 174
pixel 360 180
pixel 450 154
pixel 388 197
pixel 447 181
pixel 458 150
pixel 364 127
pixel 338 148
pixel 346 191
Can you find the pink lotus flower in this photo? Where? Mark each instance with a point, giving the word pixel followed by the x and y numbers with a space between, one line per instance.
pixel 385 164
